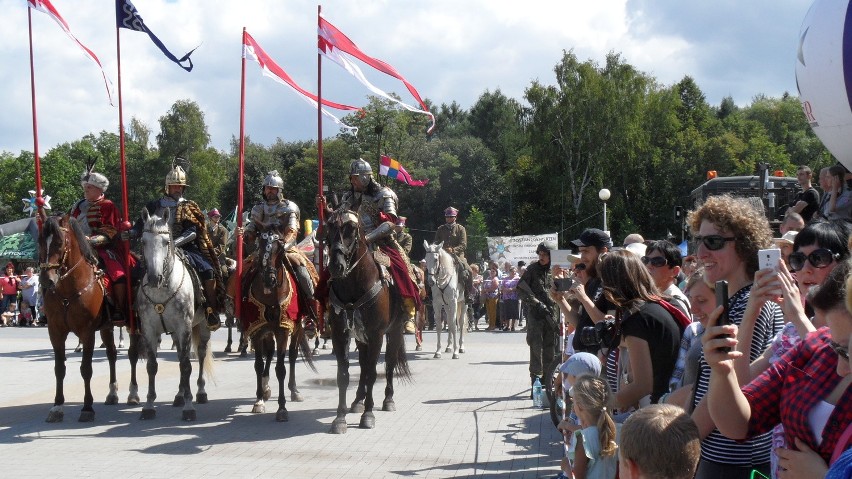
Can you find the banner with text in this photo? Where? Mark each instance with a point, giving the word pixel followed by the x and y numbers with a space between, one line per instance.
pixel 516 248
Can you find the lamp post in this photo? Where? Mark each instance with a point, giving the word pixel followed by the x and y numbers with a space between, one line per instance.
pixel 604 194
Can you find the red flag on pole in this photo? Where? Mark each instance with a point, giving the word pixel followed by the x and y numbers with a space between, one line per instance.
pixel 48 8
pixel 331 40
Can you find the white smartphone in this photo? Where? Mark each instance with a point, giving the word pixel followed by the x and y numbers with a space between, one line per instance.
pixel 768 258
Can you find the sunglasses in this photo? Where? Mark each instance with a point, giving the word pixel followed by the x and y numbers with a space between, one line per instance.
pixel 840 350
pixel 819 258
pixel 656 261
pixel 713 242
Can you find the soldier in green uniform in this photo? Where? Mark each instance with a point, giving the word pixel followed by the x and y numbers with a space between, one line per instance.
pixel 541 312
pixel 454 237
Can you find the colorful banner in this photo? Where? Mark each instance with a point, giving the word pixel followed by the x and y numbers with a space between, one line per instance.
pixel 517 248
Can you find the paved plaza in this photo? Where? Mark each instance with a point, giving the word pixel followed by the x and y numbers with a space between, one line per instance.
pixel 470 417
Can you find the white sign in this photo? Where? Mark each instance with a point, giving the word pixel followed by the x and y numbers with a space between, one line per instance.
pixel 516 248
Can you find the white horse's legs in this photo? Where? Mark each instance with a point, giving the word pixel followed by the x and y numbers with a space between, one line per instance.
pixel 148 411
pixel 184 346
pixel 454 330
pixel 461 322
pixel 436 313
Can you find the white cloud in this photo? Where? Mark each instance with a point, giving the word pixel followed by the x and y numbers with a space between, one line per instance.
pixel 450 50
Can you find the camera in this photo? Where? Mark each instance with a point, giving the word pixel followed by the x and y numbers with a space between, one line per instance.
pixel 603 334
pixel 563 284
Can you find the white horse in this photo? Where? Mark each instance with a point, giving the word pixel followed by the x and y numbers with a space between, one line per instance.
pixel 166 303
pixel 447 297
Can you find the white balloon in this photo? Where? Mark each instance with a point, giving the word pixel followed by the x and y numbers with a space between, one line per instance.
pixel 825 89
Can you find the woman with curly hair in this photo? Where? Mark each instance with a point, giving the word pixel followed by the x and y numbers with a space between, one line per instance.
pixel 729 232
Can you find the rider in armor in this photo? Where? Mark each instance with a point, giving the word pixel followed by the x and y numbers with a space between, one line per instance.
pixel 98 218
pixel 377 208
pixel 190 234
pixel 454 238
pixel 279 211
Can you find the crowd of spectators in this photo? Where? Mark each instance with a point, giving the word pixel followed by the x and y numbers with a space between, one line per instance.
pixel 764 394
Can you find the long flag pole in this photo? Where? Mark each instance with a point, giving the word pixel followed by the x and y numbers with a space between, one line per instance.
pixel 125 222
pixel 320 192
pixel 39 199
pixel 238 294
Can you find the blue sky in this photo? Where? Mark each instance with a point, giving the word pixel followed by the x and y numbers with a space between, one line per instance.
pixel 450 50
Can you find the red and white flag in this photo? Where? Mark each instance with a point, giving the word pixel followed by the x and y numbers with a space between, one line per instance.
pixel 272 70
pixel 332 42
pixel 48 8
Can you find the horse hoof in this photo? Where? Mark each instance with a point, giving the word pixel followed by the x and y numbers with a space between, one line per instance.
pixel 315 352
pixel 357 407
pixel 201 398
pixel 267 393
pixel 324 346
pixel 338 426
pixel 455 355
pixel 55 415
pixel 148 414
pixel 132 400
pixel 418 348
pixel 258 409
pixel 368 421
pixel 228 349
pixel 448 350
pixel 461 350
pixel 178 402
pixel 111 400
pixel 437 355
pixel 243 354
pixel 389 406
pixel 188 415
pixel 78 349
pixel 296 396
pixel 86 416
pixel 282 415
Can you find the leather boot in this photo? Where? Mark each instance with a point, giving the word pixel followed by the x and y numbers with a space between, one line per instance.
pixel 213 322
pixel 119 296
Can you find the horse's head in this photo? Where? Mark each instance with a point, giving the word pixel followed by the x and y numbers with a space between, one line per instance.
pixel 344 235
pixel 433 258
pixel 157 248
pixel 53 249
pixel 270 246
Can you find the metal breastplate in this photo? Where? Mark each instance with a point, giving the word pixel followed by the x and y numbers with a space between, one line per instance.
pixel 282 214
pixel 169 203
pixel 368 212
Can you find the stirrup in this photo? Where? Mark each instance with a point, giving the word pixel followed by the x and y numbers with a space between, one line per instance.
pixel 213 322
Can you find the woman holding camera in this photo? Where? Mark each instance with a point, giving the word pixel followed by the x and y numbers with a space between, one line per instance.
pixel 647 332
pixel 729 232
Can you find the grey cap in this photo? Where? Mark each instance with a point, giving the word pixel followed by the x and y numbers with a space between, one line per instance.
pixel 580 364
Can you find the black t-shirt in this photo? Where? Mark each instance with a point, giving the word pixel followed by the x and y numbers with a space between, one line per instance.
pixel 656 326
pixel 811 197
pixel 594 290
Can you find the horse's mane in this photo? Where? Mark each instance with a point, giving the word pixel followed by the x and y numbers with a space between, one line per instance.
pixel 83 242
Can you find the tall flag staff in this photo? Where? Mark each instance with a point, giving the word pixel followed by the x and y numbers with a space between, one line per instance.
pixel 320 213
pixel 126 16
pixel 46 7
pixel 238 240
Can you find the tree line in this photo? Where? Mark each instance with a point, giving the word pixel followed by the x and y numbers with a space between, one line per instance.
pixel 511 166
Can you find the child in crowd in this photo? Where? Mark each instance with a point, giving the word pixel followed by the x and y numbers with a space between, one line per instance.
pixel 8 316
pixel 657 441
pixel 595 456
pixel 578 365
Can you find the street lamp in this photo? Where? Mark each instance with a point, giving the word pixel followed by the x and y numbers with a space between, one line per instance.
pixel 603 194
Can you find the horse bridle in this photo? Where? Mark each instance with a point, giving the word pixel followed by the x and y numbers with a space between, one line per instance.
pixel 168 266
pixel 66 251
pixel 349 251
pixel 272 238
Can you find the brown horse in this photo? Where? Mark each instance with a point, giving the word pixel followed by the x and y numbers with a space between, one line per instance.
pixel 363 306
pixel 271 312
pixel 74 297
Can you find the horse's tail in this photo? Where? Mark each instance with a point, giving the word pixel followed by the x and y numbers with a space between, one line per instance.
pixel 402 370
pixel 305 348
pixel 207 360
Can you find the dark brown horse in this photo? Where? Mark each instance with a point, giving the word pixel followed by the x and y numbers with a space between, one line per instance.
pixel 364 307
pixel 73 302
pixel 271 317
